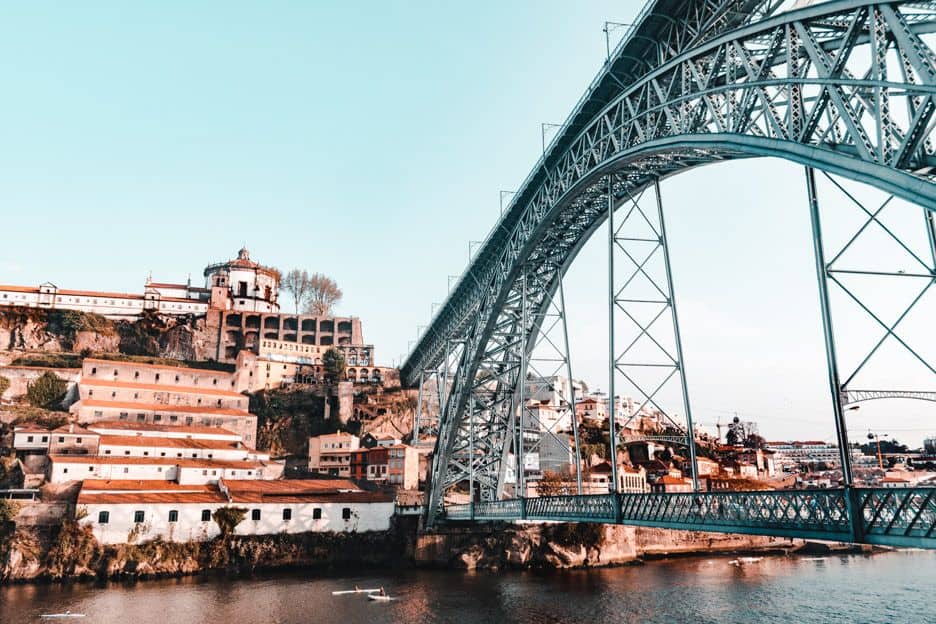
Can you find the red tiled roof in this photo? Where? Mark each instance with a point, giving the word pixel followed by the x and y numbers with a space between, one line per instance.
pixel 186 443
pixel 135 498
pixel 671 480
pixel 119 485
pixel 131 426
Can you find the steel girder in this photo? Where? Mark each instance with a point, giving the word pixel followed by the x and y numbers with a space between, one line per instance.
pixel 904 517
pixel 847 87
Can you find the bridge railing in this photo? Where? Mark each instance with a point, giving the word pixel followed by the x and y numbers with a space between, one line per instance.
pixel 896 517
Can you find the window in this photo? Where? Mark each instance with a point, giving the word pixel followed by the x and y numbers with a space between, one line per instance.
pixel 94 371
pixel 157 376
pixel 90 468
pixel 255 514
pixel 287 514
pixel 103 517
pixel 317 514
pixel 29 438
pixel 173 515
pixel 204 473
pixel 78 441
pixel 346 513
pixel 64 470
pixel 138 516
pixel 90 393
pixel 61 440
pixel 205 515
pixel 126 469
pixel 45 438
pixel 157 417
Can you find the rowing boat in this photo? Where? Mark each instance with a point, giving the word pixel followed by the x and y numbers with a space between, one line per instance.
pixel 354 591
pixel 380 598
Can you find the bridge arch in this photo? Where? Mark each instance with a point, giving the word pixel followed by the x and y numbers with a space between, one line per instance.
pixel 718 101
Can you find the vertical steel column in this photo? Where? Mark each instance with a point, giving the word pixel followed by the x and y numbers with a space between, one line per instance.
pixel 419 401
pixel 841 430
pixel 471 457
pixel 930 217
pixel 679 352
pixel 612 363
pixel 521 467
pixel 568 356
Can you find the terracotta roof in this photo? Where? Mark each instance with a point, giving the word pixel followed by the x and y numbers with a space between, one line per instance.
pixel 301 491
pixel 187 443
pixel 671 480
pixel 160 387
pixel 131 426
pixel 29 428
pixel 25 289
pixel 162 367
pixel 154 461
pixel 161 407
pixel 122 485
pixel 73 429
pixel 135 498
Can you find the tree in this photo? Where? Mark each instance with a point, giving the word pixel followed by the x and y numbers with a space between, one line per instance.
pixel 47 392
pixel 323 296
pixel 334 364
pixel 227 519
pixel 298 284
pixel 552 484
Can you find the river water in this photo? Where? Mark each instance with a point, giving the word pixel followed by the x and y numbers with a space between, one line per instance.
pixel 888 587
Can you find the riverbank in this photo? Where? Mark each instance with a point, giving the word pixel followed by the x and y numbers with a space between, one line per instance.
pixel 70 552
pixel 505 546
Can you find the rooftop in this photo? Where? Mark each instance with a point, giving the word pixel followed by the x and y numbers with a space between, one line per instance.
pixel 185 443
pixel 162 367
pixel 181 462
pixel 123 425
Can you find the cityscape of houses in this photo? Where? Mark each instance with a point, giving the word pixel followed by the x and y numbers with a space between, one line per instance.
pixel 153 450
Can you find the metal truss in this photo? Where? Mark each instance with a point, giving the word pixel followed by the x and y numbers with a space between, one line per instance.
pixel 846 87
pixel 663 439
pixel 547 359
pixel 841 272
pixel 652 359
pixel 849 397
pixel 429 403
pixel 895 517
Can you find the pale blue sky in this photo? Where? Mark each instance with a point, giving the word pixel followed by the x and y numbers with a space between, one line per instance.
pixel 369 141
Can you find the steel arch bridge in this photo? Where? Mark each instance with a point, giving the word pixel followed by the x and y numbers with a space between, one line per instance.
pixel 845 87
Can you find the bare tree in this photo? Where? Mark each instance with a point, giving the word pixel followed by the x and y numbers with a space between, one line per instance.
pixel 323 295
pixel 298 284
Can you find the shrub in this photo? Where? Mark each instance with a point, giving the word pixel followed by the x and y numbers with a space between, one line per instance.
pixel 47 392
pixel 227 519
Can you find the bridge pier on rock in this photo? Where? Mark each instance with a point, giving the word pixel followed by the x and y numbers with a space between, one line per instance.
pixel 519 546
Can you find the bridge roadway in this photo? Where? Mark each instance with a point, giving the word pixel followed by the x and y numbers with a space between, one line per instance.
pixel 900 517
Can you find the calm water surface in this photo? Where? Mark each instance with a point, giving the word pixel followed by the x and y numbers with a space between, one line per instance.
pixel 891 587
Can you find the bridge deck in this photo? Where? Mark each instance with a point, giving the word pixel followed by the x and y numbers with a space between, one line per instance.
pixel 902 517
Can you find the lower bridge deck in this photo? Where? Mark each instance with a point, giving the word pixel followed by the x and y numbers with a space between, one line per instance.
pixel 902 517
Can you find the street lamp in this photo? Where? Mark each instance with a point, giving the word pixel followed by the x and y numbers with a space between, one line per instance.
pixel 877 438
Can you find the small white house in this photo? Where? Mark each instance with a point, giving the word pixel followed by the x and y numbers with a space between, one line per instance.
pixel 63 469
pixel 119 511
pixel 31 440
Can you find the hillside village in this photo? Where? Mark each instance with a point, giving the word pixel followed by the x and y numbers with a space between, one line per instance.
pixel 191 414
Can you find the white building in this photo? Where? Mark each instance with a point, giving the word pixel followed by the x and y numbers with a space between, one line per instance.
pixel 70 468
pixel 30 440
pixel 789 455
pixel 118 509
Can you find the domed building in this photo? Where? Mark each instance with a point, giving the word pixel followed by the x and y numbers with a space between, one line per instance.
pixel 243 285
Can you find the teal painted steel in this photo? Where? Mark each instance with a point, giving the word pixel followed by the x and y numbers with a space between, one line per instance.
pixel 901 517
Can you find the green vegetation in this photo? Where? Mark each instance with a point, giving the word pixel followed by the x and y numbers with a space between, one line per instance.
pixel 27 414
pixel 227 519
pixel 47 392
pixel 69 322
pixel 73 549
pixel 286 420
pixel 334 364
pixel 49 360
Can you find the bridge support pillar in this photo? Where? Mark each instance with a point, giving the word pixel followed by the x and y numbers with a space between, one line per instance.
pixel 855 514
